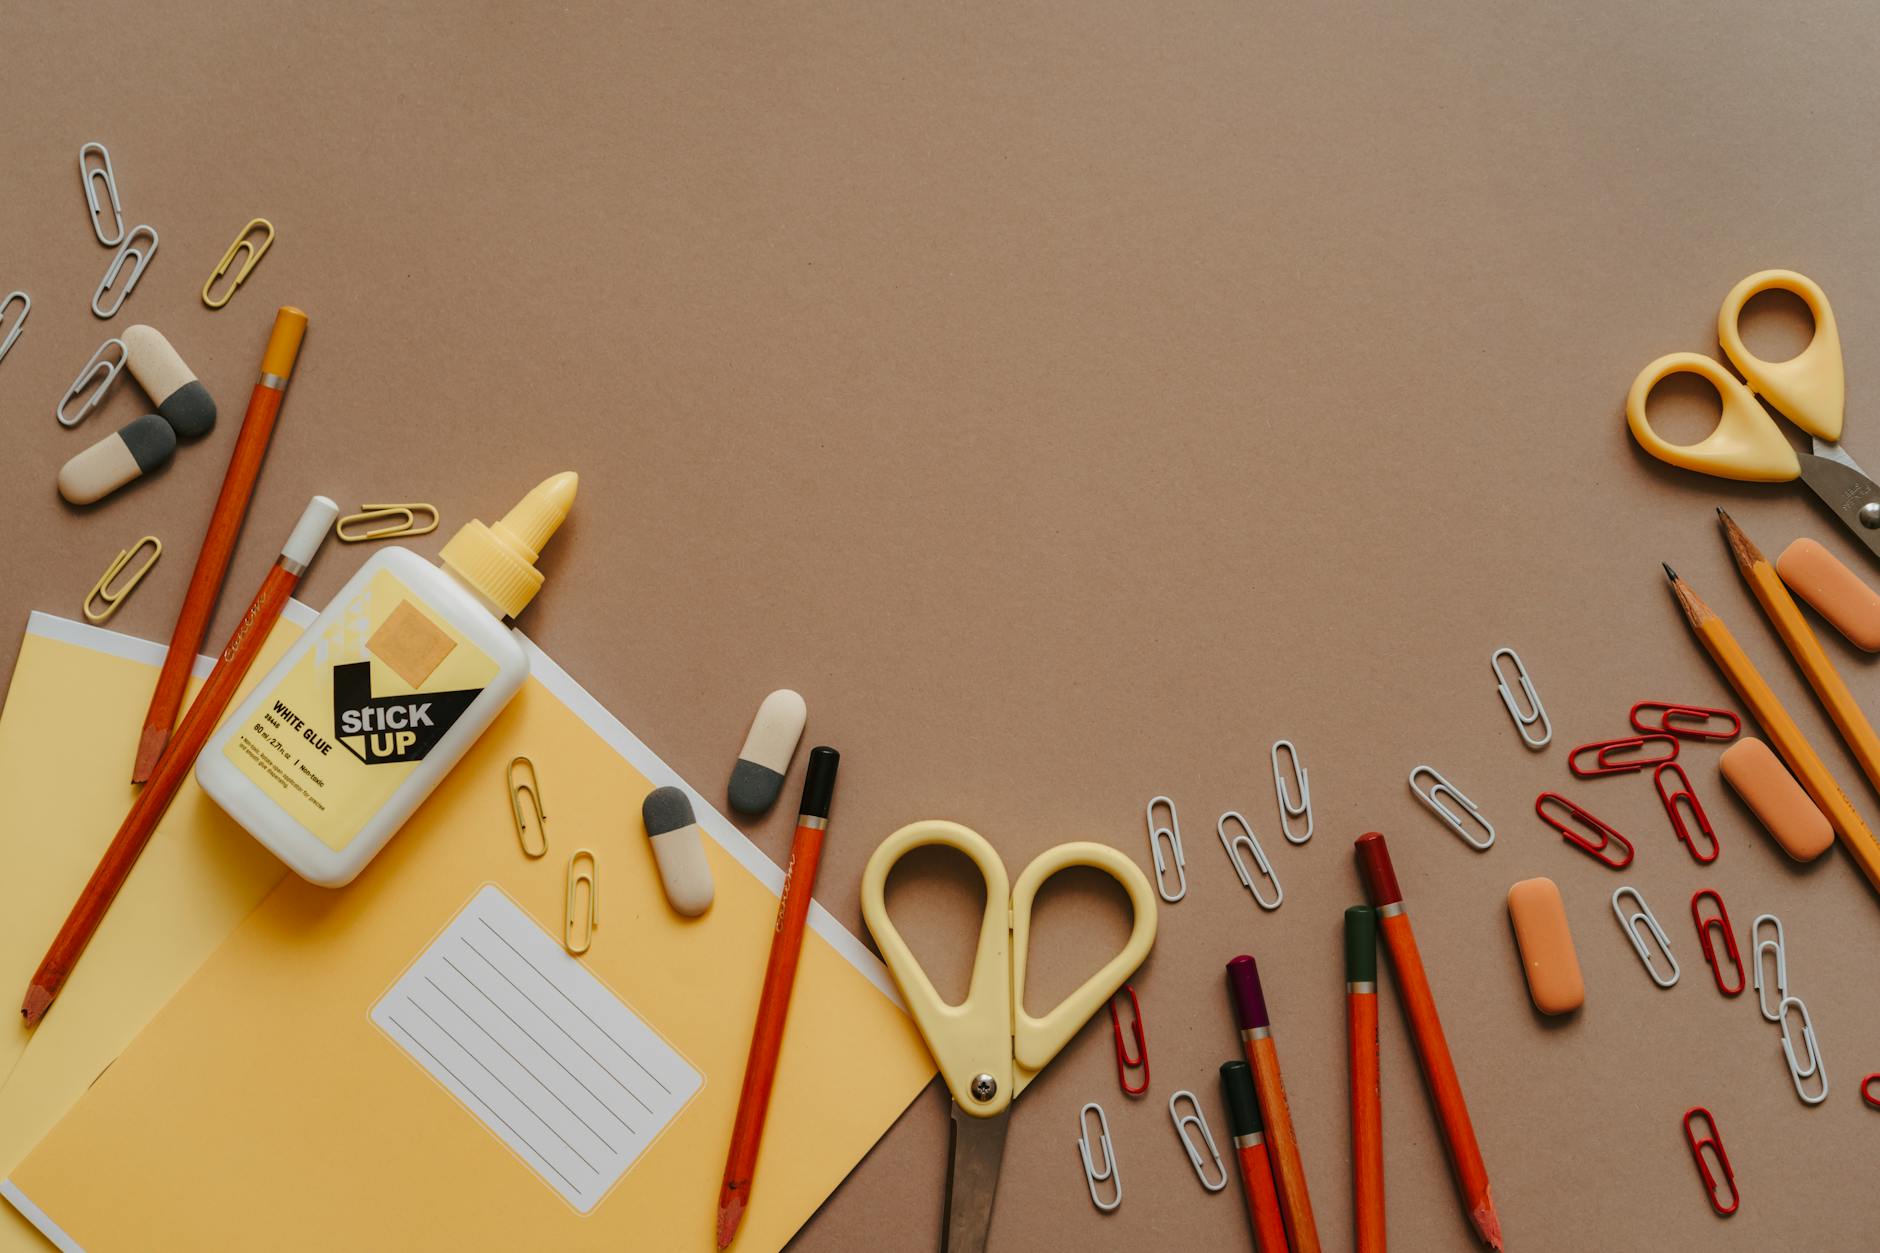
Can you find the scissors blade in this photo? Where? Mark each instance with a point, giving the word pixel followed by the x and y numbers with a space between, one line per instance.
pixel 973 1179
pixel 1842 486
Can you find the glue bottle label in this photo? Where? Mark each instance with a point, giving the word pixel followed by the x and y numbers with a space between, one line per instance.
pixel 349 722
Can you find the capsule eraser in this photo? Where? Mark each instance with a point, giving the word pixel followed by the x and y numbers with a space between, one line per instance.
pixel 1546 943
pixel 765 757
pixel 1836 592
pixel 144 444
pixel 180 397
pixel 1778 801
pixel 679 849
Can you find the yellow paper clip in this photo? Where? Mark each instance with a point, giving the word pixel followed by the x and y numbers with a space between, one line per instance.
pixel 111 597
pixel 533 789
pixel 576 924
pixel 228 258
pixel 406 524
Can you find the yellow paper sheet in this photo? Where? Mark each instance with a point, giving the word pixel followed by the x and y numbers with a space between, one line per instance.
pixel 67 737
pixel 263 1106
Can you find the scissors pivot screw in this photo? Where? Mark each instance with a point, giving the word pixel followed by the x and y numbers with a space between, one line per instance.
pixel 1870 515
pixel 985 1087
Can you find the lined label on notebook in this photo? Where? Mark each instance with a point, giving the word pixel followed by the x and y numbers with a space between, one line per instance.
pixel 537 1048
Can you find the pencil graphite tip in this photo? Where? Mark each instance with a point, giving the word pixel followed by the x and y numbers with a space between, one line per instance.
pixel 38 1000
pixel 1669 572
pixel 150 748
pixel 1487 1223
pixel 730 1214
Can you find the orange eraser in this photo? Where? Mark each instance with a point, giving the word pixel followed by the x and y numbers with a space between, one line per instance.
pixel 1546 943
pixel 1836 592
pixel 1776 799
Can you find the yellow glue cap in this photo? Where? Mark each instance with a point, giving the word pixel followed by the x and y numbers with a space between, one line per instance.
pixel 499 561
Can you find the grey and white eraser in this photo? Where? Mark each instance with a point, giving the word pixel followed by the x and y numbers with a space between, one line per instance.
pixel 765 758
pixel 142 445
pixel 679 849
pixel 180 397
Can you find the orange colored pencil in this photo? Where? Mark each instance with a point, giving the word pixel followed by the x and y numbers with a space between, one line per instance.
pixel 147 810
pixel 1426 1031
pixel 1367 1112
pixel 1256 1166
pixel 218 543
pixel 773 1006
pixel 1256 1037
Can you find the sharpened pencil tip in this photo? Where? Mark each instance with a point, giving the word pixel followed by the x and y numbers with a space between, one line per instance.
pixel 1669 571
pixel 38 1000
pixel 730 1215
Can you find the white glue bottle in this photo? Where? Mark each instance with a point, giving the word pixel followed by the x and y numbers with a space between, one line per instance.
pixel 388 688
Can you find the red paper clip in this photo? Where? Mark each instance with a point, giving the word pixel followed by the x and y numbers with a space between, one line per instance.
pixel 1714 1142
pixel 1124 1062
pixel 1705 927
pixel 1867 1092
pixel 1605 750
pixel 1676 720
pixel 1676 814
pixel 1607 835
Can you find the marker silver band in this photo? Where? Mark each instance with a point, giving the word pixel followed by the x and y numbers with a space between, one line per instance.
pixel 1363 985
pixel 1255 1033
pixel 814 824
pixel 1252 1139
pixel 275 381
pixel 295 568
pixel 1391 910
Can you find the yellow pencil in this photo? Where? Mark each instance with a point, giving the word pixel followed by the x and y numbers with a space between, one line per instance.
pixel 1786 616
pixel 1783 734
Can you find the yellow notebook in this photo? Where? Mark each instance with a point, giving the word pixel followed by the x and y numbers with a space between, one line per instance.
pixel 414 1062
pixel 67 737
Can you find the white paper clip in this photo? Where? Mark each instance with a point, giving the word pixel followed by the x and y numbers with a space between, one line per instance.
pixel 1173 834
pixel 1198 1121
pixel 1798 1074
pixel 1252 842
pixel 1433 798
pixel 93 175
pixel 11 333
pixel 1093 1176
pixel 99 361
pixel 127 250
pixel 1779 947
pixel 1289 808
pixel 1630 922
pixel 1537 713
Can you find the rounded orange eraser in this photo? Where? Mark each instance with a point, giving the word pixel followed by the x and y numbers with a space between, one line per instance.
pixel 1836 592
pixel 1546 943
pixel 1777 800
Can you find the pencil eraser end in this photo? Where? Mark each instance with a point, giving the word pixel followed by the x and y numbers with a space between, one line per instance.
pixel 1380 877
pixel 290 327
pixel 1835 592
pixel 1243 978
pixel 1785 810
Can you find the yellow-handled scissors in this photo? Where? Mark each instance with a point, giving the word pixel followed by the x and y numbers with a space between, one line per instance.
pixel 1809 389
pixel 987 1047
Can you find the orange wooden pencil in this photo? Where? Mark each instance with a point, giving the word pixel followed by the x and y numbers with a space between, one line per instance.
pixel 1426 1031
pixel 218 543
pixel 1256 1037
pixel 773 1006
pixel 147 810
pixel 1367 1114
pixel 1256 1166
pixel 1812 659
pixel 1784 736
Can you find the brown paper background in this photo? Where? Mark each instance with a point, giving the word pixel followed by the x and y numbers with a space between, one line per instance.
pixel 1069 401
